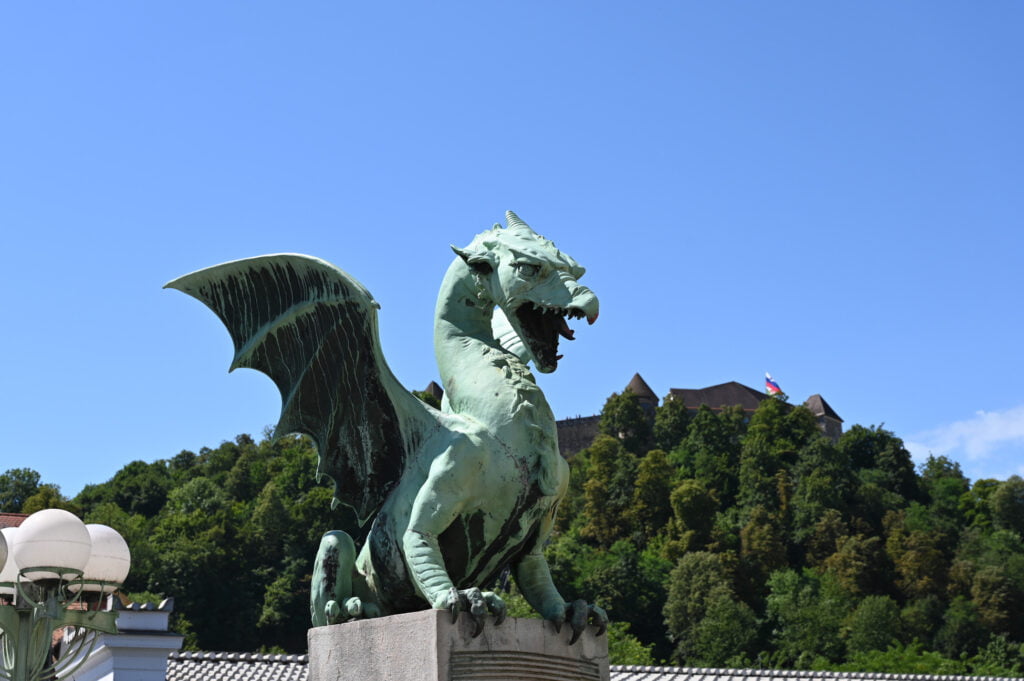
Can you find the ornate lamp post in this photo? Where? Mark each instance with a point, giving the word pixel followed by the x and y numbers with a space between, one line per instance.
pixel 55 572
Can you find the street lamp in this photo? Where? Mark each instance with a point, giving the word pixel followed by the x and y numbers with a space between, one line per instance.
pixel 54 570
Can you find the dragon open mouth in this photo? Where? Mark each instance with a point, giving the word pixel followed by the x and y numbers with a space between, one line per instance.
pixel 541 327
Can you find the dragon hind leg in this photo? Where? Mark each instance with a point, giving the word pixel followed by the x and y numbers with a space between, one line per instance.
pixel 331 597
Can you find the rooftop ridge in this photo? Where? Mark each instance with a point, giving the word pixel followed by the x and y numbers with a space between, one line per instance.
pixel 221 656
pixel 797 673
pixel 618 670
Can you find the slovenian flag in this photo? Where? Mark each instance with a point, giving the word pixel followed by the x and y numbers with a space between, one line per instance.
pixel 771 386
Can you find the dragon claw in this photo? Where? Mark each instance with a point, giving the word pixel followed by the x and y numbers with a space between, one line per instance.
pixel 477 603
pixel 580 613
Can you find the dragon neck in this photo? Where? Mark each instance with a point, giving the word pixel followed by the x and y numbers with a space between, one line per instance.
pixel 486 382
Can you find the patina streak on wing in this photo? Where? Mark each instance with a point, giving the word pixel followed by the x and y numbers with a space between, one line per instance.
pixel 313 330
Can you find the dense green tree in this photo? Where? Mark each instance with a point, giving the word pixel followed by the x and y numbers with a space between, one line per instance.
pixel 727 635
pixel 671 423
pixel 921 565
pixel 141 487
pixel 944 485
pixel 711 451
pixel 822 481
pixel 1007 505
pixel 974 504
pixel 17 485
pixel 697 580
pixel 787 548
pixel 875 624
pixel 961 631
pixel 759 467
pixel 651 509
pixel 859 564
pixel 630 584
pixel 879 450
pixel 608 492
pixel 807 611
pixel 922 618
pixel 693 515
pixel 624 419
pixel 762 552
pixel 48 496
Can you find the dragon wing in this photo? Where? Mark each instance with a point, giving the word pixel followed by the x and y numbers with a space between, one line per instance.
pixel 312 329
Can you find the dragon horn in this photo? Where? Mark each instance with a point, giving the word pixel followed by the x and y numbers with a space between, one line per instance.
pixel 513 221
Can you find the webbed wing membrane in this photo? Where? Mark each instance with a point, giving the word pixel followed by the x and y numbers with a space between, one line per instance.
pixel 312 329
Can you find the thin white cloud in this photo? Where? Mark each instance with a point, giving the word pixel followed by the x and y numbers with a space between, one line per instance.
pixel 975 438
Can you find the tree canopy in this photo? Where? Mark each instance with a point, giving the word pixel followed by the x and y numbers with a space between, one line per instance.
pixel 712 537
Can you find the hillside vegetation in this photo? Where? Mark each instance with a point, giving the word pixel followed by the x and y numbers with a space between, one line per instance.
pixel 714 539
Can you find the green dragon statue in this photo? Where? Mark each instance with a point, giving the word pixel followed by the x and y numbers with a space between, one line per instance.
pixel 455 495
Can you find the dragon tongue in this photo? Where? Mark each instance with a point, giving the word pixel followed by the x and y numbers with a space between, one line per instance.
pixel 564 331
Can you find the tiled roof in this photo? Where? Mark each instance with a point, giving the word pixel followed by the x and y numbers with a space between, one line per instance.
pixel 259 667
pixel 721 395
pixel 184 666
pixel 638 673
pixel 11 519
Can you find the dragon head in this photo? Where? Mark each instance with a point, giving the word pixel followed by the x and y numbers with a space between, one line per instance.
pixel 533 283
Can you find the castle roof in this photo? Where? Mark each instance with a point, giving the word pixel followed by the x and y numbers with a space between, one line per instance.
pixel 819 407
pixel 434 390
pixel 721 395
pixel 638 386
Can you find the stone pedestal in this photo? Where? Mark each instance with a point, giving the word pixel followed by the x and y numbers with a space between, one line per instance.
pixel 426 646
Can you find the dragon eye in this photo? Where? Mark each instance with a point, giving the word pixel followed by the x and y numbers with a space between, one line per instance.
pixel 528 270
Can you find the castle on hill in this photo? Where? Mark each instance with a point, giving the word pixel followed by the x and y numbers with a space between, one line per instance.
pixel 577 433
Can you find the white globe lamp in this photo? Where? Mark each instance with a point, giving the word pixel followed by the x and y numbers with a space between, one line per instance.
pixel 8 568
pixel 109 560
pixel 51 539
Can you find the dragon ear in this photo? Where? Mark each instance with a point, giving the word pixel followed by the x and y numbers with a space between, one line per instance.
pixel 481 261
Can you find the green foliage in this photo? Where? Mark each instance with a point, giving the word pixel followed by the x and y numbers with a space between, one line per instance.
pixel 875 624
pixel 807 611
pixel 698 579
pixel 427 398
pixel 899 659
pixel 1007 505
pixel 651 509
pixel 48 496
pixel 608 491
pixel 624 648
pixel 17 485
pixel 624 419
pixel 671 424
pixel 754 538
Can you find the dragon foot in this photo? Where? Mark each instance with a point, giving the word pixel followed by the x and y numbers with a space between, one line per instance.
pixel 477 603
pixel 579 614
pixel 351 609
pixel 331 599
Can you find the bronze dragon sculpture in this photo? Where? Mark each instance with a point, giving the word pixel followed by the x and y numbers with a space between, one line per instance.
pixel 455 494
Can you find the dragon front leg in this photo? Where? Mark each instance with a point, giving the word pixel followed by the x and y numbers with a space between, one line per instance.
pixel 438 503
pixel 534 579
pixel 427 565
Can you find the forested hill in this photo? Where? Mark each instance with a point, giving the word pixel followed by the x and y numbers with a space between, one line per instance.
pixel 717 539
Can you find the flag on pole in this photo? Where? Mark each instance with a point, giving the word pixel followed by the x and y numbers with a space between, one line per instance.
pixel 771 386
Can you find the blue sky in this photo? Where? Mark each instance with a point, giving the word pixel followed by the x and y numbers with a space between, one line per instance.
pixel 831 192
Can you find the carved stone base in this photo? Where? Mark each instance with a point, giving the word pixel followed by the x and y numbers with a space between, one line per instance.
pixel 426 646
